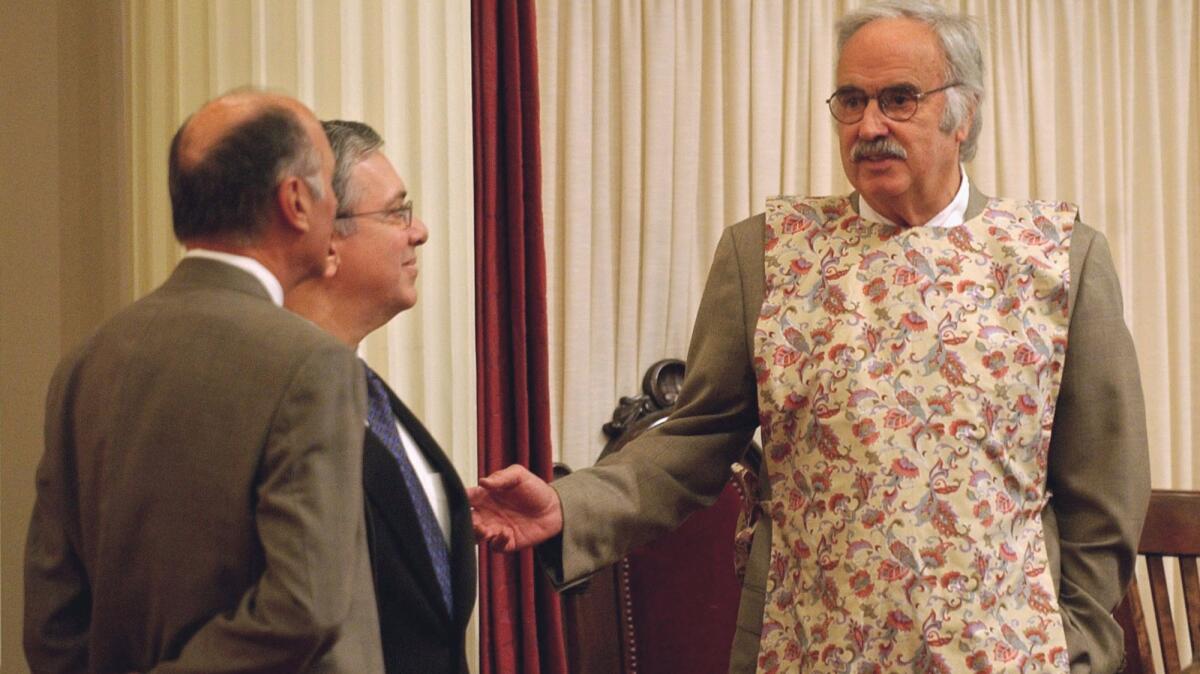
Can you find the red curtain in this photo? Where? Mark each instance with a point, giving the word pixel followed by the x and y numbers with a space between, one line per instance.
pixel 520 617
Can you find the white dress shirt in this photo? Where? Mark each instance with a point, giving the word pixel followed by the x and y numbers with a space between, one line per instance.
pixel 431 481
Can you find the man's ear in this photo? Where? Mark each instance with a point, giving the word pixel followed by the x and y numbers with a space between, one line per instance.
pixel 295 202
pixel 964 129
pixel 333 258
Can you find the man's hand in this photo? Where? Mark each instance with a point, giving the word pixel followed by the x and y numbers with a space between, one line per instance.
pixel 513 509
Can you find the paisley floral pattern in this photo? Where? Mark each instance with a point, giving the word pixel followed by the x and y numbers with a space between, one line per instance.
pixel 907 383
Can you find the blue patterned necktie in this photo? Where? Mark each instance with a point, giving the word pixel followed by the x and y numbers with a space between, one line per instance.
pixel 382 422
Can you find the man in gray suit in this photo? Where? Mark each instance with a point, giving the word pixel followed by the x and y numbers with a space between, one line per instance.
pixel 199 506
pixel 955 468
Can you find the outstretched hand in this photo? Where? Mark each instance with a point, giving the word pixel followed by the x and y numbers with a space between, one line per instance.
pixel 513 509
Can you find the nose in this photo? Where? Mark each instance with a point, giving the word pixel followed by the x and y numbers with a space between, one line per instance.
pixel 418 233
pixel 874 123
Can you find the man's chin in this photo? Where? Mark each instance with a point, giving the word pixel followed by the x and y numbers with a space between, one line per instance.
pixel 883 183
pixel 879 194
pixel 406 300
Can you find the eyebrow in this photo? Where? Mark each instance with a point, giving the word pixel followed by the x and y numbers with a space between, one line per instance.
pixel 397 200
pixel 893 85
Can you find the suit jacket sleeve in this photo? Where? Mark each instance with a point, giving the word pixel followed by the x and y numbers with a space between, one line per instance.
pixel 308 516
pixel 1098 464
pixel 654 482
pixel 57 599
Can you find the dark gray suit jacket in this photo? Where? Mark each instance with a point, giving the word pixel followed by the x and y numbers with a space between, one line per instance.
pixel 1098 472
pixel 199 502
pixel 418 633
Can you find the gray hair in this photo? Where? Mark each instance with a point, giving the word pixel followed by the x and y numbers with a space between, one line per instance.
pixel 308 167
pixel 964 60
pixel 352 142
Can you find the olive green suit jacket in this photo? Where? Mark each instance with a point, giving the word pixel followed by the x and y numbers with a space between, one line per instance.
pixel 199 501
pixel 1098 464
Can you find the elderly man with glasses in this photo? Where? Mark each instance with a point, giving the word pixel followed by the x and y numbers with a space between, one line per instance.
pixel 418 521
pixel 955 466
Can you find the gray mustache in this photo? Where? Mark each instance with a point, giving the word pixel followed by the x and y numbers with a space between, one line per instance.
pixel 878 148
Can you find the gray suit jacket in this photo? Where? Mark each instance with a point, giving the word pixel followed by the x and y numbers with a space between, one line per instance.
pixel 199 502
pixel 1098 472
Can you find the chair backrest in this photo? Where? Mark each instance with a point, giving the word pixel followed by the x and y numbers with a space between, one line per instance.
pixel 670 606
pixel 1172 529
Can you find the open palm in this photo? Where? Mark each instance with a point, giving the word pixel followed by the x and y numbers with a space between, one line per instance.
pixel 513 509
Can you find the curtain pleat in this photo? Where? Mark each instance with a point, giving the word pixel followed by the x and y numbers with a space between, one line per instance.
pixel 520 624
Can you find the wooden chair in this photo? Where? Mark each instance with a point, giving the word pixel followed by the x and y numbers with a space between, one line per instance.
pixel 1172 529
pixel 670 606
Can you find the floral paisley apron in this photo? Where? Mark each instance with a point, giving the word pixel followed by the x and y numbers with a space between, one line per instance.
pixel 907 382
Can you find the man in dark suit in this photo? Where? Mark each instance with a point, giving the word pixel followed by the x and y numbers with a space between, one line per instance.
pixel 198 502
pixel 418 519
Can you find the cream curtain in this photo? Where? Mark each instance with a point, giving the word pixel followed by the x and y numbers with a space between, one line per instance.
pixel 401 66
pixel 666 120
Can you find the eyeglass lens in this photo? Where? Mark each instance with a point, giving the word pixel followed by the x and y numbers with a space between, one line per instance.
pixel 898 103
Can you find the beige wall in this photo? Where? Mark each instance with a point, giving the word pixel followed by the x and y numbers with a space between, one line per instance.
pixel 61 196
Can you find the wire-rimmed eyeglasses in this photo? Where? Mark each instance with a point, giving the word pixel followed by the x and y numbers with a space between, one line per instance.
pixel 399 216
pixel 898 102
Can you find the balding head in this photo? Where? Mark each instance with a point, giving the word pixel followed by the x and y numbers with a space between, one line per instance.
pixel 228 159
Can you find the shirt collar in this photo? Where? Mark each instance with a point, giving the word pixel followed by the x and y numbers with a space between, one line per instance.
pixel 246 264
pixel 950 216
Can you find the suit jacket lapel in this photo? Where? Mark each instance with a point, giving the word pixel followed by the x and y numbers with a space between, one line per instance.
pixel 975 202
pixel 385 487
pixel 462 538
